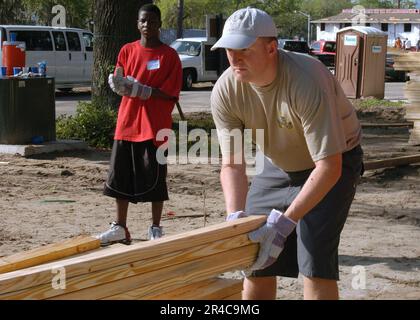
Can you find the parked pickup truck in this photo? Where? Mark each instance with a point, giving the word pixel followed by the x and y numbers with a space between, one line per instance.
pixel 325 51
pixel 199 64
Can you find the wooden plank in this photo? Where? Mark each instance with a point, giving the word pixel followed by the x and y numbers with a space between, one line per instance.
pixel 168 292
pixel 209 289
pixel 102 260
pixel 48 253
pixel 124 271
pixel 387 125
pixel 172 276
pixel 392 162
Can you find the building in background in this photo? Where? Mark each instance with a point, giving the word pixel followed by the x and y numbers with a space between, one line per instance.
pixel 403 23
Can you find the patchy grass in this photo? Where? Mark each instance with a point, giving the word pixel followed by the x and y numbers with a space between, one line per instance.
pixel 373 102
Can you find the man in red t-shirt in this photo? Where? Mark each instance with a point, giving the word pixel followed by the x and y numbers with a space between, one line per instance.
pixel 148 76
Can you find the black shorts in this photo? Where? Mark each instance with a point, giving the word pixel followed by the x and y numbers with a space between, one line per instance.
pixel 312 249
pixel 135 174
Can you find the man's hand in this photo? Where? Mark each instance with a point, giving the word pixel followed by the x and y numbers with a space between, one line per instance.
pixel 118 83
pixel 128 86
pixel 271 238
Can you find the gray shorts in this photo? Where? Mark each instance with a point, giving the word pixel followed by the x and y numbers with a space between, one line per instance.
pixel 312 249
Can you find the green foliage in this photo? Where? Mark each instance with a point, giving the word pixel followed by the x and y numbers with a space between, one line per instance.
pixel 405 4
pixel 92 123
pixel 12 12
pixel 325 8
pixel 195 10
pixel 78 13
pixel 289 24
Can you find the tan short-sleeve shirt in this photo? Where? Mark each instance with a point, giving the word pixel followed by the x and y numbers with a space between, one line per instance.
pixel 304 113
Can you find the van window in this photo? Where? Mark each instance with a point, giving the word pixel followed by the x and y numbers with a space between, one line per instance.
pixel 59 41
pixel 73 41
pixel 35 40
pixel 88 39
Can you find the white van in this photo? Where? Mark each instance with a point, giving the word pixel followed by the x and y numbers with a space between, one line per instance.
pixel 199 64
pixel 67 51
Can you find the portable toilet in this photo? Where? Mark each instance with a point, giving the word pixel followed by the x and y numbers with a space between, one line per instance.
pixel 360 61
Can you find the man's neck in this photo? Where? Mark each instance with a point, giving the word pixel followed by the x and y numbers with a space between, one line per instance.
pixel 150 43
pixel 270 75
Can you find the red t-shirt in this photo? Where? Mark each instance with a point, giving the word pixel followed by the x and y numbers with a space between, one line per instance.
pixel 159 67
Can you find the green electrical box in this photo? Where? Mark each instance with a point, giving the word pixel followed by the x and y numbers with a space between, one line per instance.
pixel 27 110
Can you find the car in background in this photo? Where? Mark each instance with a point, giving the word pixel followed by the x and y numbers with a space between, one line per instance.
pixel 198 62
pixel 293 45
pixel 390 73
pixel 325 51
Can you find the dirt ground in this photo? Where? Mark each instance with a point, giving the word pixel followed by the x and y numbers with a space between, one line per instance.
pixel 51 197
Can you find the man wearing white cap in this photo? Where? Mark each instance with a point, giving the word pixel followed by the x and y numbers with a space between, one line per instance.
pixel 312 155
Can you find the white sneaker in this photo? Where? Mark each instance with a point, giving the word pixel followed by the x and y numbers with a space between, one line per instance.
pixel 155 233
pixel 115 234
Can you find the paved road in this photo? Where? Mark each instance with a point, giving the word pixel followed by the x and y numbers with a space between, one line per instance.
pixel 191 101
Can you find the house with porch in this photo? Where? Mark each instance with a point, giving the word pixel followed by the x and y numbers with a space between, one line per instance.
pixel 403 23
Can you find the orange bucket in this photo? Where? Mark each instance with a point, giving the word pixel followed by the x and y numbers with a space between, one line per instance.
pixel 13 55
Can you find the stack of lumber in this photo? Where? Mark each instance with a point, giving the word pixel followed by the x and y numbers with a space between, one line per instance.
pixel 391 162
pixel 411 62
pixel 183 266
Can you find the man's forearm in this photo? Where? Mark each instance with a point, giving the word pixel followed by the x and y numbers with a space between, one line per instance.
pixel 235 186
pixel 320 182
pixel 157 93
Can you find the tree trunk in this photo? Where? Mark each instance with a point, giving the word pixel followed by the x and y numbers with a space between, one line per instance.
pixel 115 24
pixel 180 26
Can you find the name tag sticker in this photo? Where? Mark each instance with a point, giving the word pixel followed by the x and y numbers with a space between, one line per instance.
pixel 153 65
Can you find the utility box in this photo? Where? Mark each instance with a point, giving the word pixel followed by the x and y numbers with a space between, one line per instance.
pixel 360 61
pixel 27 110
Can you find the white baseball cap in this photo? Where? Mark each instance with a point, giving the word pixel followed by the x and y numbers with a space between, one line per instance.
pixel 243 28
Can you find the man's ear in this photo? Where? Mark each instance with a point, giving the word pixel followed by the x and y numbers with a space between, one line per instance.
pixel 272 47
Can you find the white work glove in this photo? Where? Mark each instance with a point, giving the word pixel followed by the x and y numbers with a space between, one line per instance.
pixel 271 238
pixel 236 215
pixel 128 86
